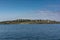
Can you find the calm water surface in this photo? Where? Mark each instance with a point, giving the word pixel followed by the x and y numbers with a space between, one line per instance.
pixel 30 32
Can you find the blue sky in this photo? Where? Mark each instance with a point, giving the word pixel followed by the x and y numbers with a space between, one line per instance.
pixel 29 9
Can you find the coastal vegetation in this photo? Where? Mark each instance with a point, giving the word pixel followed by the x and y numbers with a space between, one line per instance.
pixel 28 21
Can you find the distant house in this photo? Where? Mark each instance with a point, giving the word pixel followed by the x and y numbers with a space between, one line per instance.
pixel 48 21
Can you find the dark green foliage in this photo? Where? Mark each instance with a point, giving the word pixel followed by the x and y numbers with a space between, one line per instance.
pixel 27 21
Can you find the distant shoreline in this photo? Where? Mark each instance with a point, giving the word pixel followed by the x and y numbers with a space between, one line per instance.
pixel 28 21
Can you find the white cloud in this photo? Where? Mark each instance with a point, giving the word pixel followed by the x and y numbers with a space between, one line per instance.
pixel 48 15
pixel 40 14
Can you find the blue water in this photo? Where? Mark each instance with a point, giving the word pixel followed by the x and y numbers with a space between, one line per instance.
pixel 30 32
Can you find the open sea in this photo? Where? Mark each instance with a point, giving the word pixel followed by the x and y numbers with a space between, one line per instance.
pixel 29 31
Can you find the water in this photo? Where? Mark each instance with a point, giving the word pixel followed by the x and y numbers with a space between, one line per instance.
pixel 30 32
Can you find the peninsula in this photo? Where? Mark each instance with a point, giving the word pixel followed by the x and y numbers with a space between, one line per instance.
pixel 28 21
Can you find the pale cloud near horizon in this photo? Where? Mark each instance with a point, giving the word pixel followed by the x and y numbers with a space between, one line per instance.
pixel 40 14
pixel 47 15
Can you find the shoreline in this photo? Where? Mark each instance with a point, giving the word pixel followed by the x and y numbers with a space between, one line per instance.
pixel 28 21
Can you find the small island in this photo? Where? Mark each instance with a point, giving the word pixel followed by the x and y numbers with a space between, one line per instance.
pixel 28 21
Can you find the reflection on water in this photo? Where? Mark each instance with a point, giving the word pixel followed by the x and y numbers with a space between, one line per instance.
pixel 30 32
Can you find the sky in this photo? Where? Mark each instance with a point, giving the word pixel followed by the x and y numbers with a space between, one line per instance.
pixel 30 9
